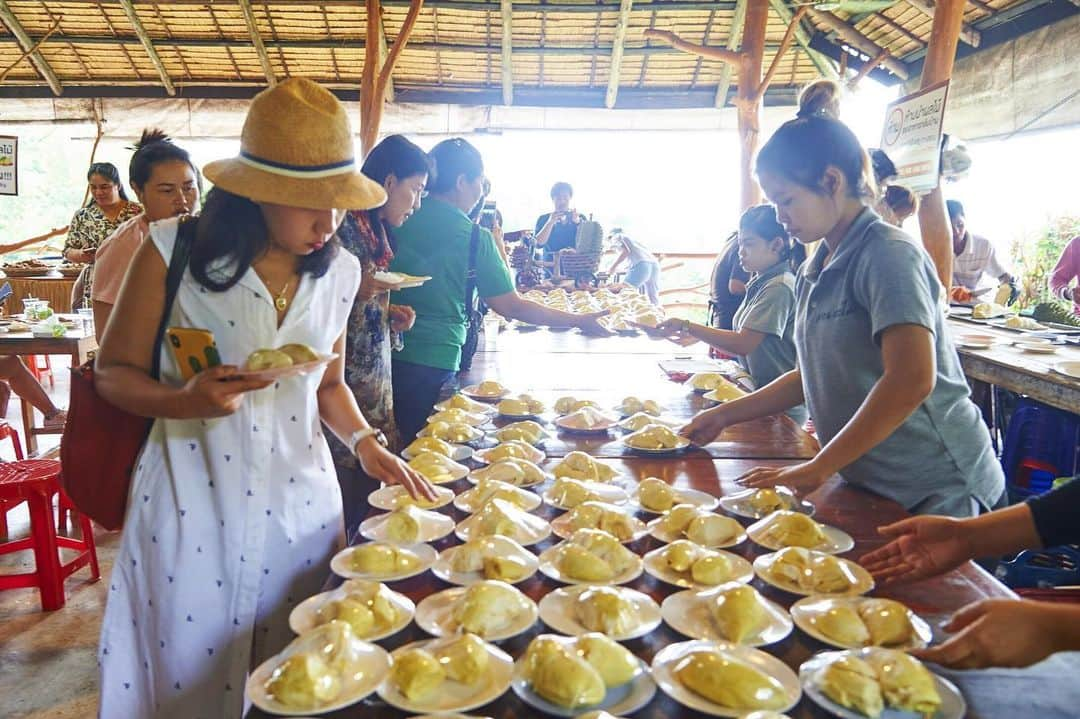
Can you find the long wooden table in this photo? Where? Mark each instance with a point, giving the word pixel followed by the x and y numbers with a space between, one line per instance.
pixel 53 287
pixel 610 368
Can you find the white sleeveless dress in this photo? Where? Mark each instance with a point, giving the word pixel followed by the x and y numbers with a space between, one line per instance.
pixel 230 521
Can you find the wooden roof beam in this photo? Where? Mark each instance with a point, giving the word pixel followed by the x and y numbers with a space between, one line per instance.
pixel 43 67
pixel 615 71
pixel 968 34
pixel 148 44
pixel 737 22
pixel 384 51
pixel 860 42
pixel 256 40
pixel 802 37
pixel 507 52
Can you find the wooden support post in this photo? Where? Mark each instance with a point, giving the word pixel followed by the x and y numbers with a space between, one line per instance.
pixel 256 41
pixel 27 45
pixel 383 53
pixel 148 45
pixel 934 225
pixel 747 104
pixel 821 62
pixel 375 77
pixel 968 34
pixel 738 20
pixel 617 53
pixel 860 42
pixel 785 44
pixel 865 69
pixel 507 52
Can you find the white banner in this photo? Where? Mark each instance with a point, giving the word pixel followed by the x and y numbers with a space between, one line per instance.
pixel 9 165
pixel 912 137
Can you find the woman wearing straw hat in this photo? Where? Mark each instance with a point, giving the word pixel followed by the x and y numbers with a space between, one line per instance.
pixel 234 509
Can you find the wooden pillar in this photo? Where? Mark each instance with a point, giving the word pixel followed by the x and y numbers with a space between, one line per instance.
pixel 934 223
pixel 375 78
pixel 748 104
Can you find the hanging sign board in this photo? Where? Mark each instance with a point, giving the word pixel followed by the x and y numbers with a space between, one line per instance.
pixel 912 137
pixel 9 165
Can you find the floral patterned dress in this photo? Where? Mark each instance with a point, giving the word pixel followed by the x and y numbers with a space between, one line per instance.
pixel 89 228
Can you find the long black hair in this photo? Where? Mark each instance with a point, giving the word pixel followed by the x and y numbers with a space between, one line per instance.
pixel 398 156
pixel 802 149
pixel 231 228
pixel 761 220
pixel 153 147
pixel 110 173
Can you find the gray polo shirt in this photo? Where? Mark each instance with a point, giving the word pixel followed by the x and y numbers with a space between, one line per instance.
pixel 769 308
pixel 940 458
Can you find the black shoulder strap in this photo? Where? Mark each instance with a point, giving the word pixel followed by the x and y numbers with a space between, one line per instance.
pixel 470 274
pixel 178 263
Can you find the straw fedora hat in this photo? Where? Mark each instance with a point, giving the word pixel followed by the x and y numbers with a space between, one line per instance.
pixel 296 149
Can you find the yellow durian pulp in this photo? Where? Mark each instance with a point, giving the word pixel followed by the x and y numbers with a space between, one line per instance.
pixel 851 683
pixel 887 622
pixel 905 682
pixel 794 529
pixel 842 624
pixel 464 659
pixel 303 681
pixel 403 525
pixel 487 607
pixel 507 569
pixel 712 529
pixel 680 516
pixel 614 662
pixel 563 677
pixel 729 682
pixel 681 554
pixel 380 558
pixel 711 569
pixel 579 563
pixel 738 612
pixel 656 494
pixel 606 610
pixel 417 673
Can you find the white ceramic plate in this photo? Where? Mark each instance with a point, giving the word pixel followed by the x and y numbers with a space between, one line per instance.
pixel 659 533
pixel 454 696
pixel 466 530
pixel 687 612
pixel 459 454
pixel 433 526
pixel 1069 369
pixel 476 475
pixel 622 700
pixel 387 497
pixel 478 408
pixel 535 456
pixel 400 280
pixel 557 610
pixel 304 616
pixel 341 566
pixel 953 705
pixel 863 581
pixel 713 397
pixel 549 568
pixel 837 541
pixel 608 493
pixel 370 671
pixel 1001 324
pixel 804 613
pixel 467 503
pixel 502 545
pixel 624 424
pixel 739 505
pixel 562 528
pixel 682 444
pixel 741 570
pixel 434 614
pixel 666 659
pixel 456 471
pixel 704 500
pixel 268 375
pixel 598 428
pixel 474 434
pixel 473 392
pixel 1036 348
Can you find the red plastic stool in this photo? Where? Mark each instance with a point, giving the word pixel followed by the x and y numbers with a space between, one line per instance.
pixel 41 367
pixel 6 432
pixel 36 481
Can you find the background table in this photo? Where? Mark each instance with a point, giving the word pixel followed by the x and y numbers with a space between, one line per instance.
pixel 53 287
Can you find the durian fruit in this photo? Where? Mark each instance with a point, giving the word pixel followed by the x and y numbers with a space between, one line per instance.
pixel 382 558
pixel 581 564
pixel 706 380
pixel 793 529
pixel 460 401
pixel 842 624
pixel 430 444
pixel 417 673
pixel 725 391
pixel 712 568
pixel 525 431
pixel 436 468
pixel 792 564
pixel 267 359
pixel 491 388
pixel 851 682
pixel 299 353
pixel 677 520
pixel 367 607
pixel 404 499
pixel 654 436
pixel 499 517
pixel 464 659
pixel 1057 312
pixel 351 610
pixel 403 525
pixel 606 610
pixel 605 546
pixel 905 682
pixel 488 607
pixel 887 621
pixel 514 449
pixel 681 554
pixel 630 405
pixel 458 416
pixel 606 517
pixel 710 530
pixel 637 421
pixel 768 500
pixel 651 407
pixel 656 494
pixel 303 681
pixel 562 676
pixel 614 662
pixel 726 681
pixel 579 465
pixel 566 405
pixel 505 568
pixel 829 575
pixel 453 431
pixel 520 406
pixel 336 643
pixel 487 489
pixel 738 611
pixel 571 493
pixel 469 557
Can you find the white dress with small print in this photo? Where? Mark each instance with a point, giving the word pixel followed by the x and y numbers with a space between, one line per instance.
pixel 232 521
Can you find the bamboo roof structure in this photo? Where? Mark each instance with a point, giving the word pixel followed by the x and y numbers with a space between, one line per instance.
pixel 570 53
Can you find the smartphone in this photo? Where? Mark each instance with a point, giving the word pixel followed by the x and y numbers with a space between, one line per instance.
pixel 194 350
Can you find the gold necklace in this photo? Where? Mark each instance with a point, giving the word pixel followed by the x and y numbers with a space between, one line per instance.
pixel 280 302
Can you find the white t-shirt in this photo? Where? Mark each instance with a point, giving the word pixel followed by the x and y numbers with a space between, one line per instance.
pixel 978 257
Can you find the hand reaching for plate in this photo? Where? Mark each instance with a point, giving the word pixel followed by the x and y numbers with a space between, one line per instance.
pixel 921 547
pixel 803 477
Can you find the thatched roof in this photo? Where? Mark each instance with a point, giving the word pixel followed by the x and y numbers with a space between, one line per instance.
pixel 561 51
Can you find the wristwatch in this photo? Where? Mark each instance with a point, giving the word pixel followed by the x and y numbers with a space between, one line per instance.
pixel 361 434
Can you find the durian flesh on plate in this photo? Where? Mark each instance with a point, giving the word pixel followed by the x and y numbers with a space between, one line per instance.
pixel 487 608
pixel 578 465
pixel 726 680
pixel 607 610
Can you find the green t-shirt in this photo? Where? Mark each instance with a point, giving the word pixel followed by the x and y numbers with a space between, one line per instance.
pixel 435 242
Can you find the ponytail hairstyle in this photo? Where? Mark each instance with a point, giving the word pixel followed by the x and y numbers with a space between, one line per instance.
pixel 901 200
pixel 110 173
pixel 820 98
pixel 153 147
pixel 804 148
pixel 761 221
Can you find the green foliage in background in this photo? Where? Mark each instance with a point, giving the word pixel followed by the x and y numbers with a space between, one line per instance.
pixel 1035 257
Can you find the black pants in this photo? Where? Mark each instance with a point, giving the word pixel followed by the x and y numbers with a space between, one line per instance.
pixel 416 390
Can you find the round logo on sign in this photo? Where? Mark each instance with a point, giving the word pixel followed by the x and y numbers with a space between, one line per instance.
pixel 894 124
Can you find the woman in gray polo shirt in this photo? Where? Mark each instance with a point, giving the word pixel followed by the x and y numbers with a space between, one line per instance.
pixel 876 366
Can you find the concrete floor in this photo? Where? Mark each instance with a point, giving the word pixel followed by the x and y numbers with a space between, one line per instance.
pixel 48 660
